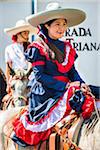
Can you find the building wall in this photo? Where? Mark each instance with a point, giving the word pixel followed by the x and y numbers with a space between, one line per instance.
pixel 88 62
pixel 10 12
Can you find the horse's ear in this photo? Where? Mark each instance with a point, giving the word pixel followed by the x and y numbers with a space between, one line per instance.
pixel 12 72
pixel 29 72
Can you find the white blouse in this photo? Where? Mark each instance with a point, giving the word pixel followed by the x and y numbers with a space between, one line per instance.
pixel 15 53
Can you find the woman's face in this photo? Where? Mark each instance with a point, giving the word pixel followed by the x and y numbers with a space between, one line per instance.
pixel 23 36
pixel 57 28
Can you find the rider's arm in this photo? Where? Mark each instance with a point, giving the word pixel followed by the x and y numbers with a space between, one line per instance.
pixel 74 75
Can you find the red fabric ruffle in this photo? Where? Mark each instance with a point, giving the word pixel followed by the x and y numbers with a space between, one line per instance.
pixel 61 68
pixel 71 59
pixel 33 138
pixel 29 137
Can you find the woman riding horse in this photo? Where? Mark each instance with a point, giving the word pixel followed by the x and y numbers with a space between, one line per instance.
pixel 55 85
pixel 14 53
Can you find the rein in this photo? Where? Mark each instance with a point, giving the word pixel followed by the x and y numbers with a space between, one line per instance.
pixel 97 113
pixel 95 107
pixel 63 132
pixel 11 100
pixel 3 75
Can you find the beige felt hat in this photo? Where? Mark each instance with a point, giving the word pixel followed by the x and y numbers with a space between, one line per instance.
pixel 20 26
pixel 54 11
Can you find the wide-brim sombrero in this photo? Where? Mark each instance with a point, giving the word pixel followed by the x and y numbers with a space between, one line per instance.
pixel 73 16
pixel 21 26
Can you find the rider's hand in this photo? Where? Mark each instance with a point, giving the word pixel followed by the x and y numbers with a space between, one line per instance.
pixel 85 88
pixel 71 84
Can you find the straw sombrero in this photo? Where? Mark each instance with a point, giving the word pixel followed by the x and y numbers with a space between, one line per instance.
pixel 54 11
pixel 20 26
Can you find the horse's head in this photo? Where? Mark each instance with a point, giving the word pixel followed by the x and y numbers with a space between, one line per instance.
pixel 19 86
pixel 19 83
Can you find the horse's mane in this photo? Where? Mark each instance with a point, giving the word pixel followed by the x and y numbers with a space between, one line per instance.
pixel 3 85
pixel 91 122
pixel 2 74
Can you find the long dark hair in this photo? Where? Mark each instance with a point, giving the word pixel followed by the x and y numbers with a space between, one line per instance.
pixel 25 45
pixel 58 54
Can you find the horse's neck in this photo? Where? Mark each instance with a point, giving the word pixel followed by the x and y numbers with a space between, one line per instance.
pixel 20 88
pixel 16 94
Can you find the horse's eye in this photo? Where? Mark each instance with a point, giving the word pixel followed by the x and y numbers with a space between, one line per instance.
pixel 13 87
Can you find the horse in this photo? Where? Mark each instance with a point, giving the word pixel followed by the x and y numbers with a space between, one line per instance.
pixel 84 134
pixel 3 86
pixel 17 97
pixel 62 137
pixel 87 135
pixel 5 117
pixel 79 134
pixel 19 90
